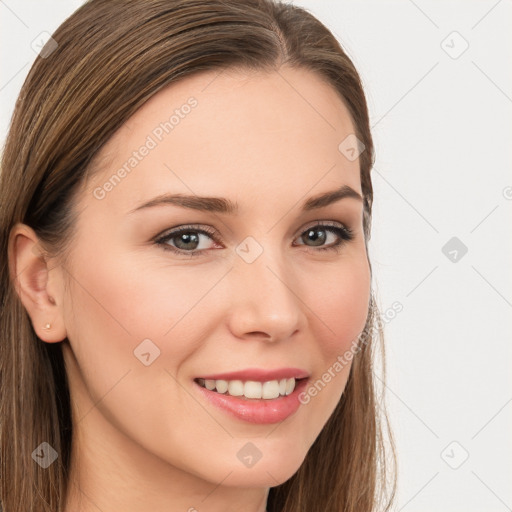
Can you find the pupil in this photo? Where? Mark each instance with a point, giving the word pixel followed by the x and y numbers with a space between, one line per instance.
pixel 188 238
pixel 319 240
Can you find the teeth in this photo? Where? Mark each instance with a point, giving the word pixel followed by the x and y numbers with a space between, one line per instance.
pixel 235 387
pixel 251 389
pixel 270 389
pixel 290 386
pixel 209 384
pixel 221 385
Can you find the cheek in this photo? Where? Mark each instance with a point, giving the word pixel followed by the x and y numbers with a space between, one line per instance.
pixel 340 301
pixel 117 303
pixel 120 300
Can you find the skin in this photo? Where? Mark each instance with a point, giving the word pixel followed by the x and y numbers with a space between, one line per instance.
pixel 143 437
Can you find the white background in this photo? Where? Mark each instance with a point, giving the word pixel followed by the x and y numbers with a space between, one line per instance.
pixel 442 128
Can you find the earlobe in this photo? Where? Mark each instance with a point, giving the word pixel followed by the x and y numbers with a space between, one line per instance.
pixel 36 283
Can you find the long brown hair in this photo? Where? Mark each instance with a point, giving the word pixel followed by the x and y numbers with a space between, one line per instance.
pixel 111 57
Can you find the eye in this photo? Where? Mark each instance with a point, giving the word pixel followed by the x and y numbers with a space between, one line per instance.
pixel 186 240
pixel 318 234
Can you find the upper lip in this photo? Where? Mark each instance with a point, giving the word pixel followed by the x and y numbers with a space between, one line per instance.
pixel 259 375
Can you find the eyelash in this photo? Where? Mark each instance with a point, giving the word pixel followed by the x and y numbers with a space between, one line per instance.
pixel 344 232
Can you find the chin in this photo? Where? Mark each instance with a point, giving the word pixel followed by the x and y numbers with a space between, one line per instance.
pixel 269 471
pixel 266 476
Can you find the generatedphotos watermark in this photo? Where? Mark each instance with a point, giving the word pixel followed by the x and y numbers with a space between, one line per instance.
pixel 345 358
pixel 152 140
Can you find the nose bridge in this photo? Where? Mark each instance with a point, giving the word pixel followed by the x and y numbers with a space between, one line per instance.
pixel 265 299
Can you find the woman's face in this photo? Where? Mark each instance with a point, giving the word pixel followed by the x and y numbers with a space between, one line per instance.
pixel 255 288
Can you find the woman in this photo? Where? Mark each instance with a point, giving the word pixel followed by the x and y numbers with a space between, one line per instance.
pixel 187 313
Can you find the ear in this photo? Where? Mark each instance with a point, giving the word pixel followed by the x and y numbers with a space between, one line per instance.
pixel 39 286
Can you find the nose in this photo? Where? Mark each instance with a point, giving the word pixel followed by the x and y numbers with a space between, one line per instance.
pixel 266 300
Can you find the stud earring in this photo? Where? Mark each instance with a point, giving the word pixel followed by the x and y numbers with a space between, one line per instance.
pixel 47 326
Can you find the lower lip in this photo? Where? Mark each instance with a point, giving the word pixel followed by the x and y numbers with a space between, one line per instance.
pixel 252 410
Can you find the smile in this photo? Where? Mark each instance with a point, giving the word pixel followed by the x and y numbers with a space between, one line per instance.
pixel 267 390
pixel 263 402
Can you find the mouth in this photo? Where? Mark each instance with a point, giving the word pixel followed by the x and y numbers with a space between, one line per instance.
pixel 255 383
pixel 251 389
pixel 270 397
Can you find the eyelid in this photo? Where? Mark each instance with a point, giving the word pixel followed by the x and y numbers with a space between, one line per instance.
pixel 319 222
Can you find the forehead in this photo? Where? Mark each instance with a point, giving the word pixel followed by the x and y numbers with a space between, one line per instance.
pixel 216 133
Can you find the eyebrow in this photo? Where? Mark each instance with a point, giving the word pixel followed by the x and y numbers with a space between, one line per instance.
pixel 222 205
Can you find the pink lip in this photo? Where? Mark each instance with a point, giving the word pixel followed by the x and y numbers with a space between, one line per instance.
pixel 259 375
pixel 253 410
